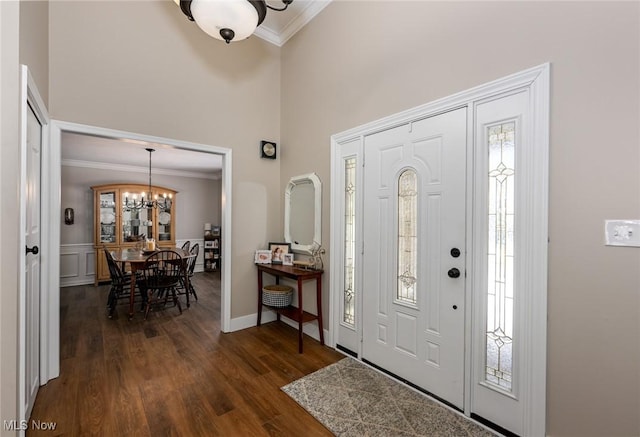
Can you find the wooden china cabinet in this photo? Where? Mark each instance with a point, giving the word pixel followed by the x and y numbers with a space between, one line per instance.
pixel 117 227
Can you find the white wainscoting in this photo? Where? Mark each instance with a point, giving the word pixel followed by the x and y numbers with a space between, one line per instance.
pixel 200 260
pixel 77 264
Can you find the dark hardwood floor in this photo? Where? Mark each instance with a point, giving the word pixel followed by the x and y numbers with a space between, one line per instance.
pixel 174 374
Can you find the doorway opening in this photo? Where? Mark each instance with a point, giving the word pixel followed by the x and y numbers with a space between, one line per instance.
pixel 52 190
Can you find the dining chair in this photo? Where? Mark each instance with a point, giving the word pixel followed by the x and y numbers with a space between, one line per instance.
pixel 191 264
pixel 160 276
pixel 120 285
pixel 186 245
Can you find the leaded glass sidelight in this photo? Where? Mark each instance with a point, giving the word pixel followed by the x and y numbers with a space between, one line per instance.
pixel 407 236
pixel 349 311
pixel 500 256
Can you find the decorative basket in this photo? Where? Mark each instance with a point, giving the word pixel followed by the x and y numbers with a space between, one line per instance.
pixel 277 295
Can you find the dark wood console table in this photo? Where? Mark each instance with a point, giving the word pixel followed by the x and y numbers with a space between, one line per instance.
pixel 291 312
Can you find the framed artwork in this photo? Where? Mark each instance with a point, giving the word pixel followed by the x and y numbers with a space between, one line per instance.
pixel 278 250
pixel 287 259
pixel 262 257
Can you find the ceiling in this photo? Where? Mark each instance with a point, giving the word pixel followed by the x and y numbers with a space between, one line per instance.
pixel 278 27
pixel 129 155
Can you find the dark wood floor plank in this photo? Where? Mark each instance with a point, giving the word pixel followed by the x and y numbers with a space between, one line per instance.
pixel 174 374
pixel 93 406
pixel 238 423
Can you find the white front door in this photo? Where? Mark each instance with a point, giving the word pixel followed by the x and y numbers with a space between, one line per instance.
pixel 414 253
pixel 32 271
pixel 394 304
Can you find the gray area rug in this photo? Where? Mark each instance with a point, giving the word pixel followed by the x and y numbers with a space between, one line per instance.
pixel 351 399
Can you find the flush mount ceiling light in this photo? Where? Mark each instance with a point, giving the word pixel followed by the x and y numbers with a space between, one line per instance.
pixel 228 20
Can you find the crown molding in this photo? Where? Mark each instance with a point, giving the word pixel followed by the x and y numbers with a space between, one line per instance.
pixel 307 14
pixel 137 169
pixel 268 35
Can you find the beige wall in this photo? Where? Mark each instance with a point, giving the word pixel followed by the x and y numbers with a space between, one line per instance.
pixel 34 43
pixel 197 202
pixel 354 64
pixel 143 67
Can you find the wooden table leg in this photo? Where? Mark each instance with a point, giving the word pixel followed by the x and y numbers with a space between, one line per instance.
pixel 319 310
pixel 259 296
pixel 300 311
pixel 133 290
pixel 185 266
pixel 277 312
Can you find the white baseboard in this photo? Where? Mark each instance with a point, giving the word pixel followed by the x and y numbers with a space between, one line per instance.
pixel 244 322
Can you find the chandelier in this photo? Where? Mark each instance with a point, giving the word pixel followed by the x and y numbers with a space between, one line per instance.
pixel 146 201
pixel 228 20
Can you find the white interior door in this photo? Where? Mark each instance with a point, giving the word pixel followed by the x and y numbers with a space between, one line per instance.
pixel 34 121
pixel 414 249
pixel 32 262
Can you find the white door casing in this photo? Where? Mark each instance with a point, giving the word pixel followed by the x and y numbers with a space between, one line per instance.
pixel 420 339
pixel 533 167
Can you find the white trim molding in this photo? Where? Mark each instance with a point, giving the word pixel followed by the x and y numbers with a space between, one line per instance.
pixel 279 37
pixel 268 316
pixel 137 169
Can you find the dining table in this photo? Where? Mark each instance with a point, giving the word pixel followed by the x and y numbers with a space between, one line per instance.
pixel 136 258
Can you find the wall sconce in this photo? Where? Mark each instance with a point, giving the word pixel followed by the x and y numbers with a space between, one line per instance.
pixel 68 216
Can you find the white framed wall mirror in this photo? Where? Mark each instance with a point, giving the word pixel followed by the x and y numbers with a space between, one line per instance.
pixel 303 213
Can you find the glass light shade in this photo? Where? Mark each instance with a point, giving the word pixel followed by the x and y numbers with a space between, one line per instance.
pixel 213 15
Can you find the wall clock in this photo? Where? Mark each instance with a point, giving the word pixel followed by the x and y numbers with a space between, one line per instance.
pixel 267 149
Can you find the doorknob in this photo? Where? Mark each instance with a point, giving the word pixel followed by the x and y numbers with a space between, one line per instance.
pixel 453 273
pixel 34 250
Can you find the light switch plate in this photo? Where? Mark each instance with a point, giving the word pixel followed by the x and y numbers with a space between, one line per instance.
pixel 622 233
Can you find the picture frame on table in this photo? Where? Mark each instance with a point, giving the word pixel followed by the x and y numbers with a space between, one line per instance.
pixel 287 259
pixel 278 250
pixel 263 257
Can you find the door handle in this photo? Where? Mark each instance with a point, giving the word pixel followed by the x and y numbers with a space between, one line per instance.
pixel 453 273
pixel 34 250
